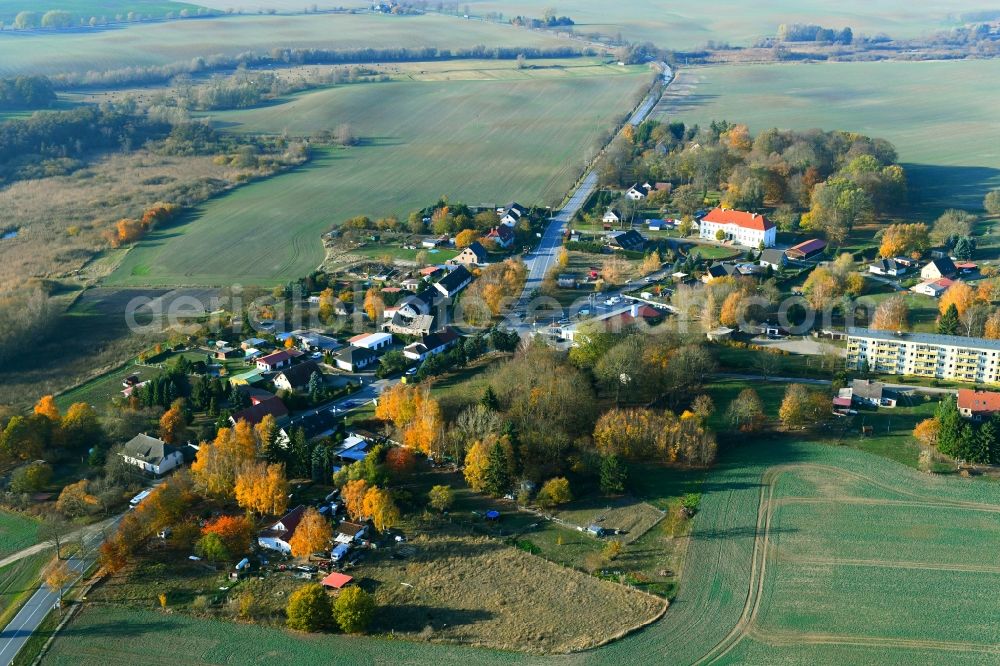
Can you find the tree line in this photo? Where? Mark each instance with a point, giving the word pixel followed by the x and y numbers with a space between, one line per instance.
pixel 26 92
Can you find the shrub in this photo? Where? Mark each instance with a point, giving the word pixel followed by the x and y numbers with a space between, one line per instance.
pixel 354 610
pixel 309 608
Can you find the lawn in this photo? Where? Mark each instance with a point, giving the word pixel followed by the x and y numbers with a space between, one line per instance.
pixel 949 150
pixel 82 10
pixel 18 581
pixel 688 24
pixel 174 41
pixel 16 532
pixel 481 142
pixel 919 535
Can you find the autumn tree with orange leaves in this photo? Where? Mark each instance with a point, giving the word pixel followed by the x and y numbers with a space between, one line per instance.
pixel 415 414
pixel 353 494
pixel 960 294
pixel 312 535
pixel 497 285
pixel 236 532
pixel 46 406
pixel 261 488
pixel 905 239
pixel 173 423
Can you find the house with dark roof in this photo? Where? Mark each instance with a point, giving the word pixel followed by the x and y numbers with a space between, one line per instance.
pixel 400 324
pixel 261 407
pixel 474 255
pixel 454 282
pixel 279 535
pixel 771 258
pixel 355 359
pixel 872 393
pixel 502 235
pixel 151 455
pixel 296 377
pixel 612 216
pixel 635 193
pixel 276 361
pixel 719 269
pixel 315 425
pixel 887 267
pixel 512 213
pixel 630 241
pixel 432 344
pixel 942 267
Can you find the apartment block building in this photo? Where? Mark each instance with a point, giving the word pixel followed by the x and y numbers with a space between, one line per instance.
pixel 924 355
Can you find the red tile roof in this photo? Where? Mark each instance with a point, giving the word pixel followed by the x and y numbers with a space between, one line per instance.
pixel 739 218
pixel 336 580
pixel 274 359
pixel 979 402
pixel 807 247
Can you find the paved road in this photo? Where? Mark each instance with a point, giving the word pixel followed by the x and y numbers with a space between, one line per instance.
pixel 19 630
pixel 545 255
pixel 83 532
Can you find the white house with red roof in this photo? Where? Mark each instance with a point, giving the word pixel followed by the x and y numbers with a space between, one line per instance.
pixel 276 361
pixel 740 227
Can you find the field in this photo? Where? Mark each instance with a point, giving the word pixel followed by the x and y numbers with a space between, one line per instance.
pixel 16 532
pixel 902 559
pixel 951 150
pixel 17 581
pixel 98 8
pixel 474 141
pixel 174 41
pixel 688 24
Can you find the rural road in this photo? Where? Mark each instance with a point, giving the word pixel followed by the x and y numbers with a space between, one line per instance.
pixel 548 248
pixel 83 532
pixel 19 630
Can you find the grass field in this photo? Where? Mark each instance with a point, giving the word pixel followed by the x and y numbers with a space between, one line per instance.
pixel 687 24
pixel 474 141
pixel 901 560
pixel 16 532
pixel 173 41
pixel 951 149
pixel 17 582
pixel 84 9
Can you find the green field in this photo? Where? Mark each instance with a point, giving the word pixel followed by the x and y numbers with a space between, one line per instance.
pixel 896 567
pixel 687 24
pixel 474 141
pixel 174 41
pixel 18 581
pixel 939 115
pixel 84 9
pixel 16 532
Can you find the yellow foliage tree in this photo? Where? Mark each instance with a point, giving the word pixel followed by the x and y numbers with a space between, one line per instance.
pixel 927 431
pixel 46 406
pixel 172 424
pixel 902 239
pixel 374 304
pixel 217 463
pixel 476 460
pixel 378 506
pixel 353 494
pixel 262 489
pixel 312 535
pixel 465 238
pixel 960 294
pixel 992 328
pixel 730 313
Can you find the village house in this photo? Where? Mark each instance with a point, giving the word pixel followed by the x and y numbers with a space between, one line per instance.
pixel 355 359
pixel 502 235
pixel 151 455
pixel 316 342
pixel 273 362
pixel 296 377
pixel 740 227
pixel 612 216
pixel 774 259
pixel 938 268
pixel 278 536
pixel 253 343
pixel 400 324
pixel 630 241
pixel 932 287
pixel 636 193
pixel 806 249
pixel 246 378
pixel 261 406
pixel 314 426
pixel 978 405
pixel 377 342
pixel 871 393
pixel 512 214
pixel 435 242
pixel 348 532
pixel 454 282
pixel 432 344
pixel 887 267
pixel 474 255
pixel 411 284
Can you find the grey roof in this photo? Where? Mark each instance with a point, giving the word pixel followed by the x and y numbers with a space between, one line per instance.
pixel 887 265
pixel 944 265
pixel 772 256
pixel 454 280
pixel 299 375
pixel 866 388
pixel 354 355
pixel 148 449
pixel 927 338
pixel 628 239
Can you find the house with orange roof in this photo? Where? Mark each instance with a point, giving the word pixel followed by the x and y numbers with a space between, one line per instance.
pixel 740 227
pixel 978 405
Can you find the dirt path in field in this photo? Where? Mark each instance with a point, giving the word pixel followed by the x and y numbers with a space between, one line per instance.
pixel 747 627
